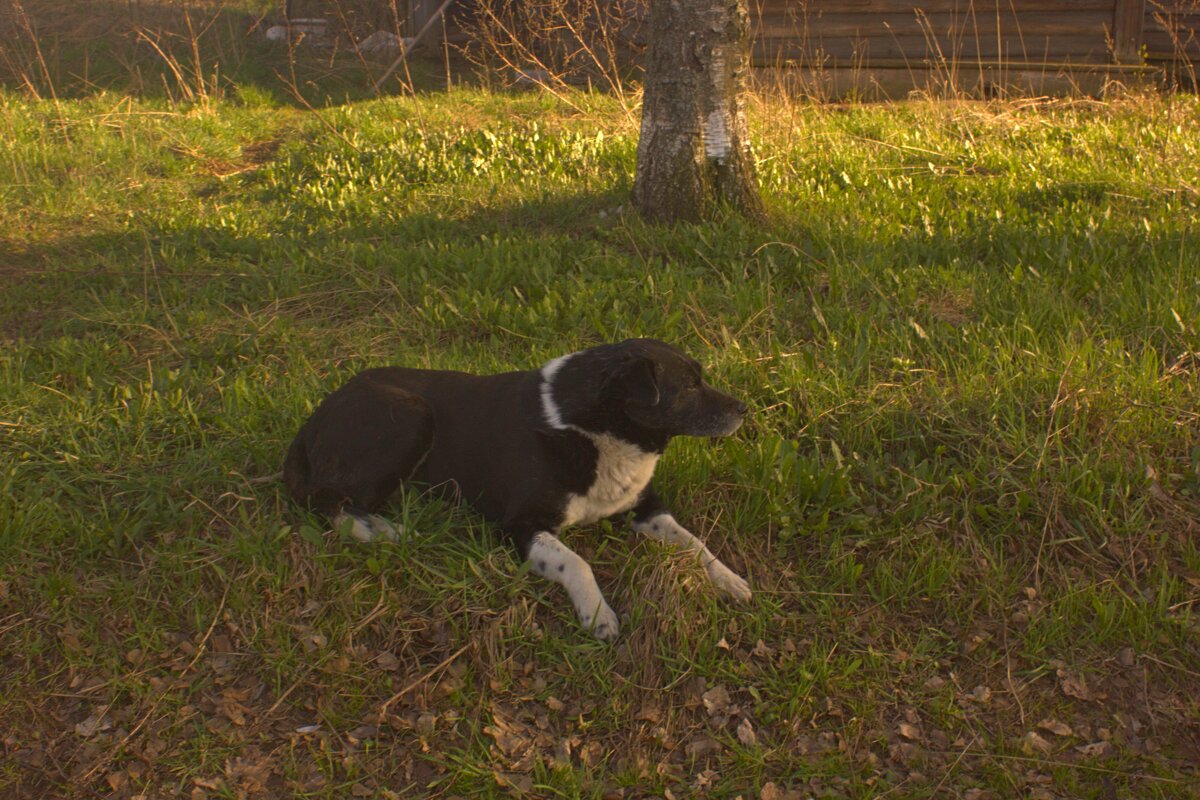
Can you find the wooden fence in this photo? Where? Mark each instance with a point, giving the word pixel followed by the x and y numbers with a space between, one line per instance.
pixel 987 41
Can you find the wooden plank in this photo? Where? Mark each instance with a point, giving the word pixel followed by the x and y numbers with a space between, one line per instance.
pixel 792 8
pixel 1171 30
pixel 845 50
pixel 1128 17
pixel 895 82
pixel 1033 23
pixel 1162 46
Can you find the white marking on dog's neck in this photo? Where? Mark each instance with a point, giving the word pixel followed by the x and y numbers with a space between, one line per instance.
pixel 622 468
pixel 550 409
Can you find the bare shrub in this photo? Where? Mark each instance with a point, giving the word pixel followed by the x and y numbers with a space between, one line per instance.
pixel 557 43
pixel 54 45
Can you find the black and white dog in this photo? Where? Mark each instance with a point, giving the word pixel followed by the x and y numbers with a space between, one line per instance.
pixel 533 451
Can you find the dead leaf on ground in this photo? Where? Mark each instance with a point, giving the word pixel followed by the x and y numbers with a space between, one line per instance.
pixel 981 695
pixel 230 705
pixel 1033 744
pixel 1056 727
pixel 95 723
pixel 508 741
pixel 903 752
pixel 746 734
pixel 1095 749
pixel 649 712
pixel 702 746
pixel 249 774
pixel 716 701
pixel 363 733
pixel 979 794
pixel 518 785
pixel 705 779
pixel 1073 685
pixel 772 791
pixel 117 781
pixel 591 754
pixel 909 731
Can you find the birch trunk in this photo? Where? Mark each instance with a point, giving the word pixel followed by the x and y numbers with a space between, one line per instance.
pixel 694 150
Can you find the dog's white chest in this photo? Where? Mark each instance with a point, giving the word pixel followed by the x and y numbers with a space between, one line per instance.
pixel 622 471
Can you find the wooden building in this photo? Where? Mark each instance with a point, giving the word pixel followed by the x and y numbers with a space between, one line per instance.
pixel 886 47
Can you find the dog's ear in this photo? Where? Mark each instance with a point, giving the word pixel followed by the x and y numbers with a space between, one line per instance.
pixel 637 378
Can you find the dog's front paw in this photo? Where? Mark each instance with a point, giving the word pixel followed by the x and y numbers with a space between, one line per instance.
pixel 729 582
pixel 603 624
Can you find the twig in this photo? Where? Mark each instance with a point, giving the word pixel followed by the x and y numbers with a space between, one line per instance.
pixel 1054 763
pixel 950 769
pixel 445 663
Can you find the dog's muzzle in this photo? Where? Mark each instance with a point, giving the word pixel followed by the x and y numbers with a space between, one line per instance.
pixel 724 419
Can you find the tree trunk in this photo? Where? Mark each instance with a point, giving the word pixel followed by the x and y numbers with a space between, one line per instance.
pixel 694 151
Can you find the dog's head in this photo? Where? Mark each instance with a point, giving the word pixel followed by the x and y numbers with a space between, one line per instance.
pixel 642 390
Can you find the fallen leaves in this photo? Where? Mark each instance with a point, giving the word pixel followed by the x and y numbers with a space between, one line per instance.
pixel 510 738
pixel 1095 749
pixel 93 724
pixel 1073 685
pixel 702 746
pixel 746 734
pixel 772 791
pixel 1034 744
pixel 716 701
pixel 1056 727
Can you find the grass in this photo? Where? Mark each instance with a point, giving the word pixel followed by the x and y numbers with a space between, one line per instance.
pixel 967 499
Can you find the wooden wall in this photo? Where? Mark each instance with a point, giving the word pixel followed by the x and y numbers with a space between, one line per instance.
pixel 1171 29
pixel 918 33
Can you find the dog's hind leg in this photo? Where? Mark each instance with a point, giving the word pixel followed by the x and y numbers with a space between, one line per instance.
pixel 355 450
pixel 553 560
pixel 366 527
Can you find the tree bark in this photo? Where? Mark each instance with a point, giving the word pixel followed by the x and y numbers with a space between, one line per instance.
pixel 694 150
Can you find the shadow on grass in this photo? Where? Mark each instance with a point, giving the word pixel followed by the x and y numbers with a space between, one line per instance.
pixel 183 55
pixel 58 288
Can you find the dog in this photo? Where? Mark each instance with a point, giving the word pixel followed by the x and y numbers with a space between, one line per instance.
pixel 533 451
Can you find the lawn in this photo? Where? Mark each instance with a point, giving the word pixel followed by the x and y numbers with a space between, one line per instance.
pixel 967 499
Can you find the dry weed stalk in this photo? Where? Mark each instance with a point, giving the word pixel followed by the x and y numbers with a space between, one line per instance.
pixel 1182 69
pixel 191 84
pixel 13 62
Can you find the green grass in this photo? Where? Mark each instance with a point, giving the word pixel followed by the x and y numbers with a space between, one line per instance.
pixel 967 498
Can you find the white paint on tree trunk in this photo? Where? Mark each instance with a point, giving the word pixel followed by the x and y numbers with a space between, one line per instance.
pixel 716 136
